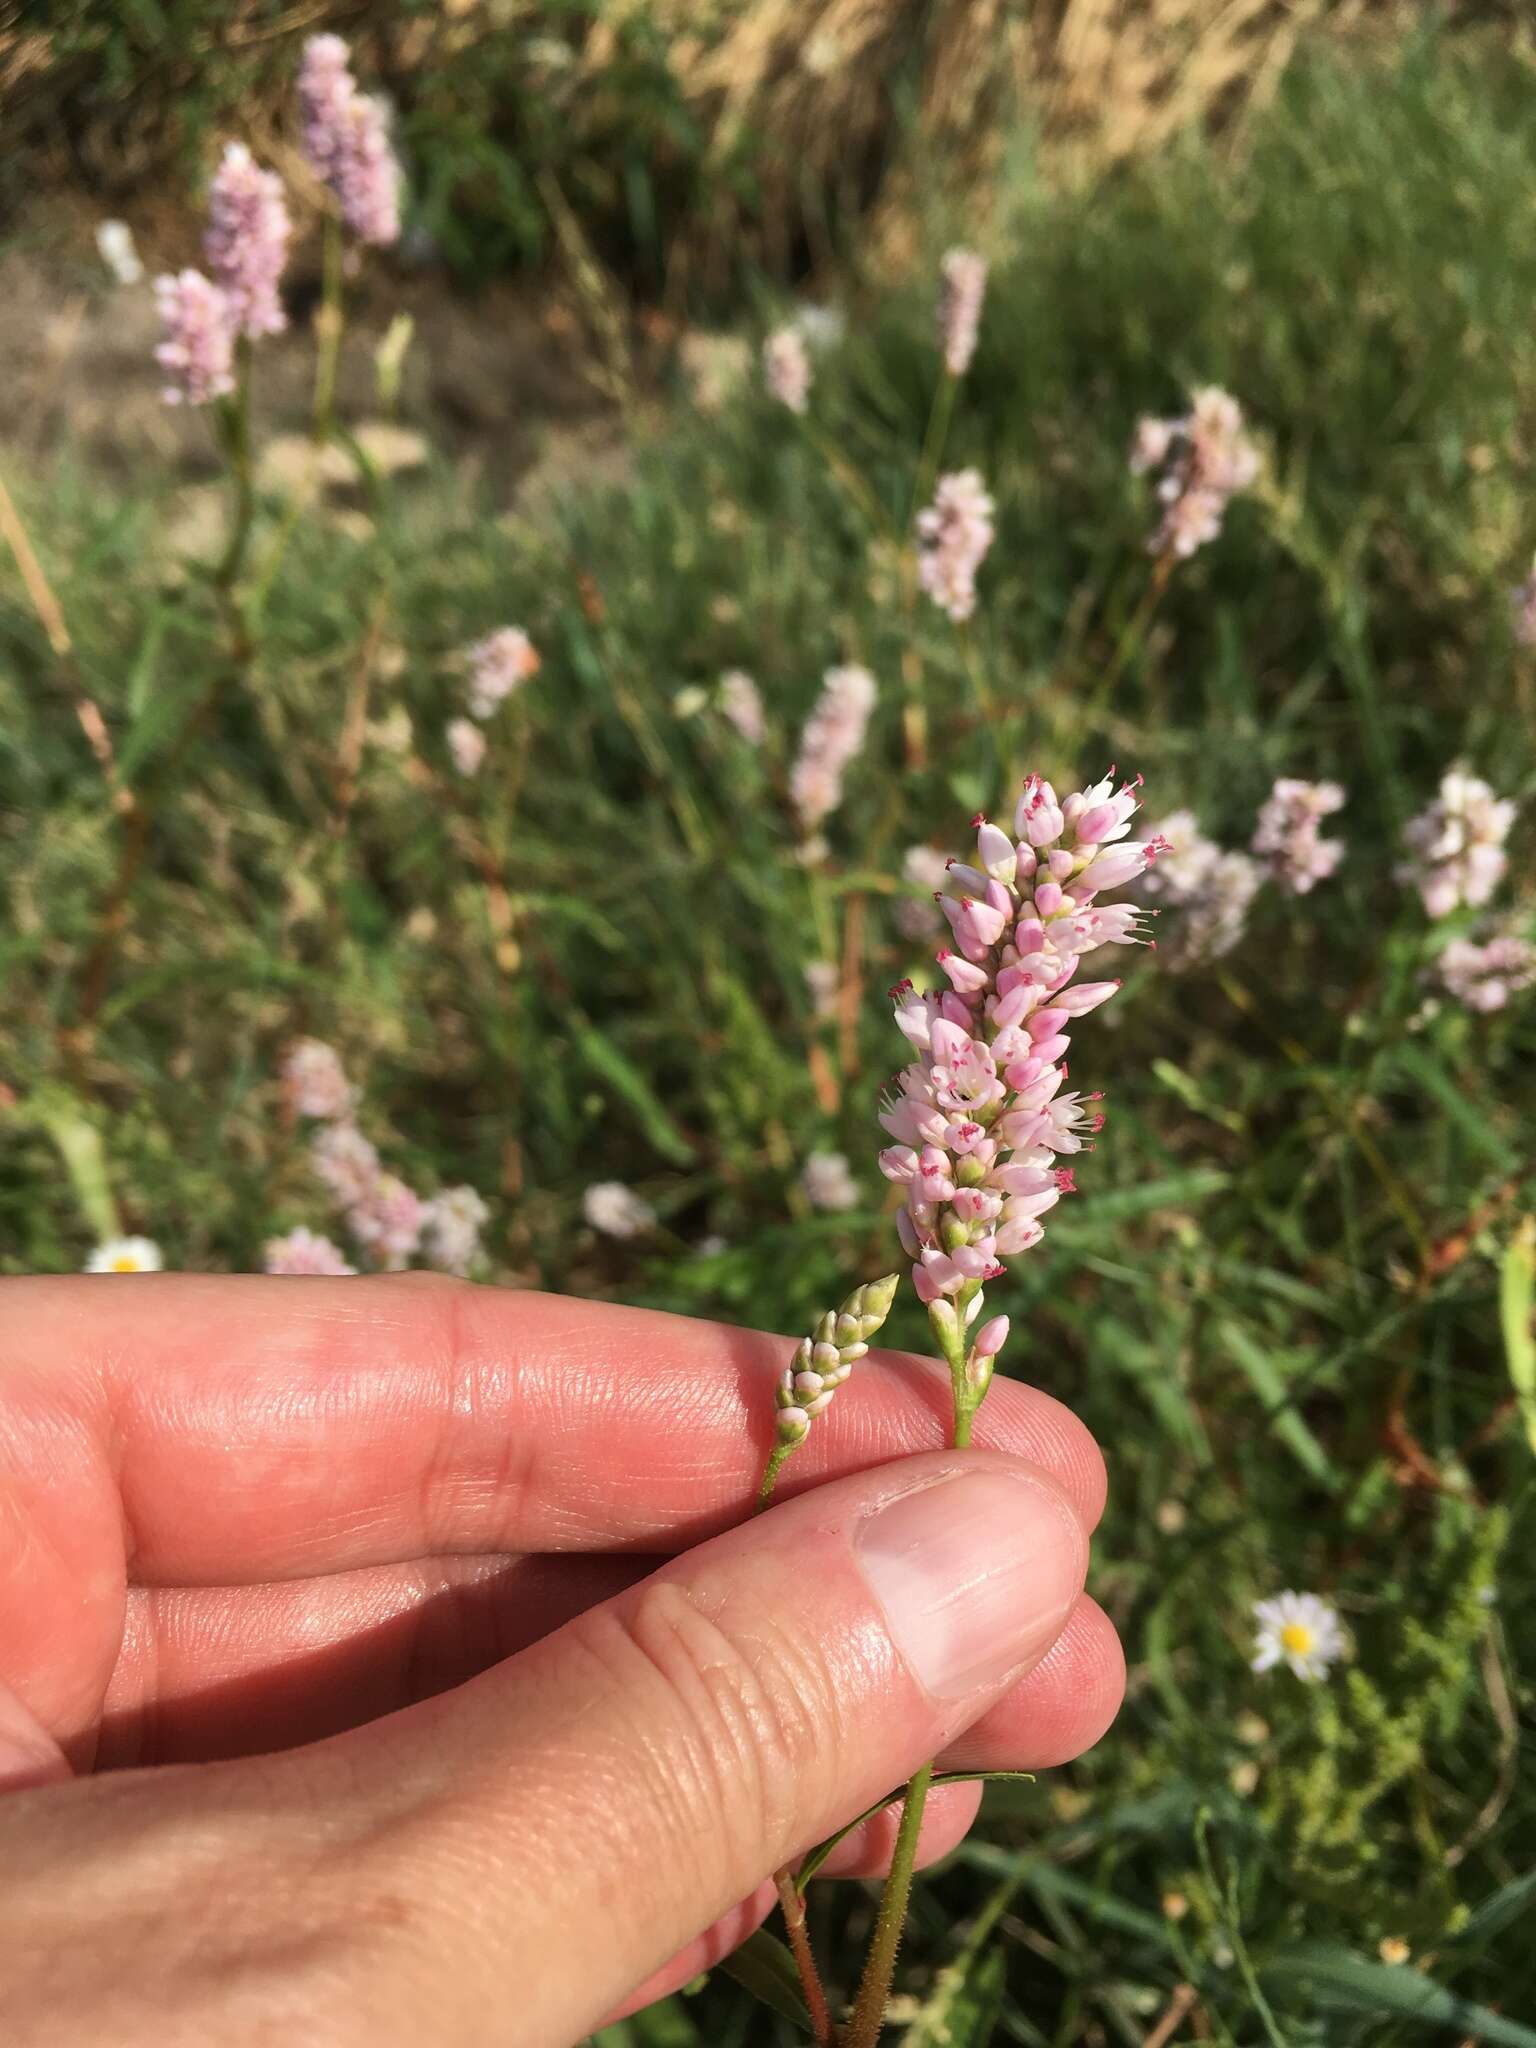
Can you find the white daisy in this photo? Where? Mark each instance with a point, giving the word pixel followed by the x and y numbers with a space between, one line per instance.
pixel 125 1255
pixel 1298 1629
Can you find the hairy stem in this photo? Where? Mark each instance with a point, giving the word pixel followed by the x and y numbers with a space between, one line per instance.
pixel 792 1901
pixel 863 2029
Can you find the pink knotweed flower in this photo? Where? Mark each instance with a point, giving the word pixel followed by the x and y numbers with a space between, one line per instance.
pixel 1522 604
pixel 1457 844
pixel 981 1119
pixel 953 536
pixel 833 737
pixel 1483 975
pixel 1206 459
pixel 198 344
pixel 246 242
pixel 1209 891
pixel 820 1365
pixel 498 665
pixel 346 139
pixel 389 1218
pixel 347 1163
pixel 962 287
pixel 787 368
pixel 827 1183
pixel 304 1251
pixel 741 704
pixel 1286 837
pixel 315 1082
pixel 452 1223
pixel 466 745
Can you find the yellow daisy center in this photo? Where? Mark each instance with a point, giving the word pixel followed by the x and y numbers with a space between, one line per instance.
pixel 1297 1638
pixel 125 1262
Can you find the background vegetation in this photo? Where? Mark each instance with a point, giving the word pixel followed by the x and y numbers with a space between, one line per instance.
pixel 1276 1301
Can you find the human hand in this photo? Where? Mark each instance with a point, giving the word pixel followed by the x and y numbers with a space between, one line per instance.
pixel 491 1713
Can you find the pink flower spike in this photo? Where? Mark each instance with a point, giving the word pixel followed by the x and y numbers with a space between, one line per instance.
pixel 991 1337
pixel 197 349
pixel 247 241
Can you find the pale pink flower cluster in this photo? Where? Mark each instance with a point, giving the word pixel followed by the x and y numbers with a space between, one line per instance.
pixel 246 242
pixel 315 1082
pixel 741 705
pixel 1286 837
pixel 1206 458
pixel 381 1212
pixel 616 1210
pixel 787 368
pixel 827 1183
pixel 466 745
pixel 953 536
pixel 833 736
pixel 1484 975
pixel 1522 604
pixel 453 1222
pixel 385 1216
pixel 498 665
pixel 981 1118
pixel 1457 844
pixel 1211 890
pixel 304 1251
pixel 346 139
pixel 962 288
pixel 197 348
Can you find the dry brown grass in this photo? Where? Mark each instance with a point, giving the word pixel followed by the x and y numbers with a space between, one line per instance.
pixel 809 90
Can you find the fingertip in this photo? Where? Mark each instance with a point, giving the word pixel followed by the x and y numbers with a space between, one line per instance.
pixel 950 1813
pixel 1030 1423
pixel 1060 1709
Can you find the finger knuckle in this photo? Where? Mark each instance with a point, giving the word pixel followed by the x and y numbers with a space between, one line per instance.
pixel 736 1716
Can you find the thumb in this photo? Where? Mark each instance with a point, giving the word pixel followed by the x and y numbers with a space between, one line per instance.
pixel 599 1800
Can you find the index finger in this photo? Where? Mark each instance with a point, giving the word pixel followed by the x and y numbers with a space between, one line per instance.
pixel 257 1428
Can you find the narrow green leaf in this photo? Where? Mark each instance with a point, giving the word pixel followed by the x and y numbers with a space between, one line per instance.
pixel 627 1081
pixel 1341 1981
pixel 823 1850
pixel 1420 1062
pixel 1517 1295
pixel 765 1967
pixel 79 1146
pixel 1501 1909
pixel 1267 1382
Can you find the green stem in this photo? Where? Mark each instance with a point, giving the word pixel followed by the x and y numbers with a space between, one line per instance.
pixel 328 328
pixel 775 1466
pixel 933 442
pixel 236 429
pixel 1131 639
pixel 863 2029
